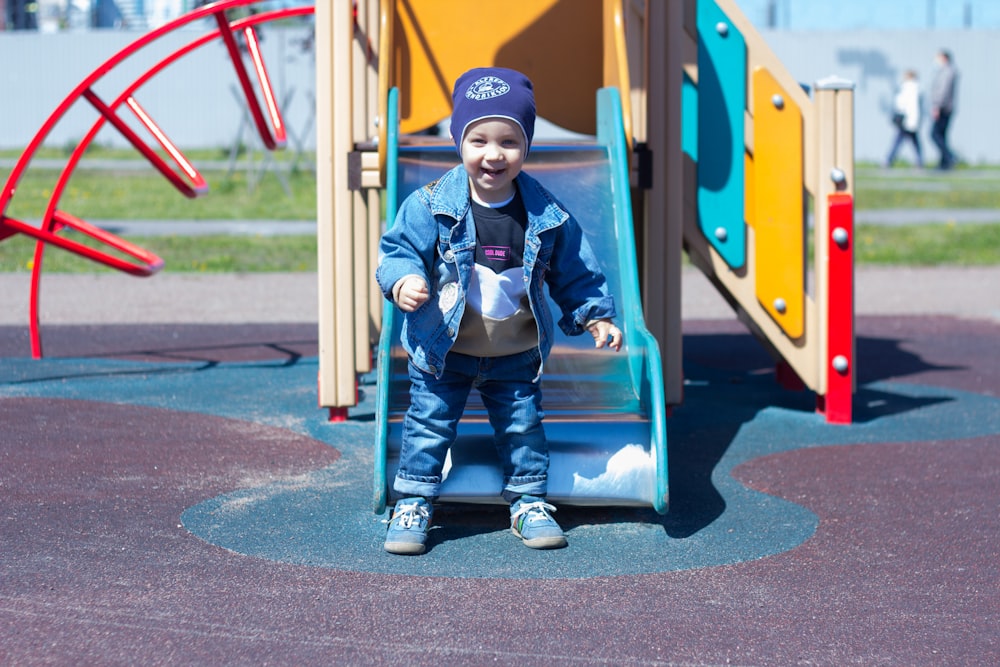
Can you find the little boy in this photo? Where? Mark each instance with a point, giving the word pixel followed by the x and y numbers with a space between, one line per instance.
pixel 466 261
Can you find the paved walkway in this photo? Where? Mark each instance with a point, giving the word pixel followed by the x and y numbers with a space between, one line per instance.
pixel 967 292
pixel 134 228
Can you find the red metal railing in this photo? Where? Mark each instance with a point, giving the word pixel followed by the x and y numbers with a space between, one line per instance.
pixel 187 180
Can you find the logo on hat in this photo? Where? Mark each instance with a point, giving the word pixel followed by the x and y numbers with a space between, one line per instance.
pixel 487 88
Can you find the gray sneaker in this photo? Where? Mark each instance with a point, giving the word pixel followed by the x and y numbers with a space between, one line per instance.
pixel 530 520
pixel 408 526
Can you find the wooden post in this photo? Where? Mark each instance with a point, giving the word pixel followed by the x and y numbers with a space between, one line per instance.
pixel 662 245
pixel 334 229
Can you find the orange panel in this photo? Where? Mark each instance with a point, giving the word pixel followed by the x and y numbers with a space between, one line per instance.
pixel 557 43
pixel 779 253
pixel 749 201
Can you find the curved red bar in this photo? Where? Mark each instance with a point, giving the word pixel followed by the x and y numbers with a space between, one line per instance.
pixel 198 183
pixel 150 262
pixel 274 113
pixel 189 182
pixel 141 146
pixel 226 32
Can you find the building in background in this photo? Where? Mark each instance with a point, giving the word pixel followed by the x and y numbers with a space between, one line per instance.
pixel 20 14
pixel 811 15
pixel 785 15
pixel 58 15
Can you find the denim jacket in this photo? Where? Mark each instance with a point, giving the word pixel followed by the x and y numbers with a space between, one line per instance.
pixel 434 237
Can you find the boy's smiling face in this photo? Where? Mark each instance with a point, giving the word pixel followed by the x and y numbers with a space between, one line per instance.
pixel 493 152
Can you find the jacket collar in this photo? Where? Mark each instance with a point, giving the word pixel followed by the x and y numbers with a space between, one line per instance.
pixel 450 196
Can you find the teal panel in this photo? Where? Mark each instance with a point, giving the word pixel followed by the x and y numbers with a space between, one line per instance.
pixel 722 66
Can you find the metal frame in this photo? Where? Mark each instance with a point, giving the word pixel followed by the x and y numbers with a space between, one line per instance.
pixel 188 181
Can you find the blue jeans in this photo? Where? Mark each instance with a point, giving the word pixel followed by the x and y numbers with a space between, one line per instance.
pixel 939 135
pixel 901 136
pixel 514 404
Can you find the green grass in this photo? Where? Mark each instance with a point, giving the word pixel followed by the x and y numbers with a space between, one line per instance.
pixel 916 245
pixel 871 198
pixel 181 254
pixel 144 194
pixel 928 245
pixel 130 194
pixel 961 188
pixel 147 195
pixel 100 152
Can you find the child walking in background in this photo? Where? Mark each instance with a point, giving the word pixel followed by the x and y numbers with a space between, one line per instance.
pixel 466 261
pixel 906 117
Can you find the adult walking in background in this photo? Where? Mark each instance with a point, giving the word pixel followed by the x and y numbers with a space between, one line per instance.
pixel 943 105
pixel 906 117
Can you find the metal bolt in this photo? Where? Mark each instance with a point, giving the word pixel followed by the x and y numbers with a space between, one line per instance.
pixel 780 305
pixel 778 101
pixel 721 233
pixel 838 176
pixel 840 237
pixel 722 28
pixel 840 363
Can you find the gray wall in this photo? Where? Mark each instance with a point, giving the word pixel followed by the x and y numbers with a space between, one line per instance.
pixel 193 102
pixel 874 61
pixel 192 99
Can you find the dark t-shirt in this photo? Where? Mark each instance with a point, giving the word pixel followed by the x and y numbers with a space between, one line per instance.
pixel 498 319
pixel 500 235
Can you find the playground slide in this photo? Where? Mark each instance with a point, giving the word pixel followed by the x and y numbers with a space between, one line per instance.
pixel 604 410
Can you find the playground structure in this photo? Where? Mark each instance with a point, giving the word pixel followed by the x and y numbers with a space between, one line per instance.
pixel 728 153
pixel 725 155
pixel 722 151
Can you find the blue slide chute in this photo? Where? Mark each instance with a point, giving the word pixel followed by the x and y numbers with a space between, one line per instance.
pixel 604 411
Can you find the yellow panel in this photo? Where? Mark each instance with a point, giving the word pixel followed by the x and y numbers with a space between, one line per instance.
pixel 557 43
pixel 779 256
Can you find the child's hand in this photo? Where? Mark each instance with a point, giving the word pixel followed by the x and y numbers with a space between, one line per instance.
pixel 412 293
pixel 601 330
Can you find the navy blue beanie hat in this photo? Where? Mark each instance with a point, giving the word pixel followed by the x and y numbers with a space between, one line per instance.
pixel 492 92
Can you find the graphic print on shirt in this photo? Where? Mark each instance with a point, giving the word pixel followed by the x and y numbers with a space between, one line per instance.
pixel 496 253
pixel 496 295
pixel 497 320
pixel 497 287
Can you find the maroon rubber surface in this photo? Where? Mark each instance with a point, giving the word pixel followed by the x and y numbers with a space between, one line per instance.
pixel 902 569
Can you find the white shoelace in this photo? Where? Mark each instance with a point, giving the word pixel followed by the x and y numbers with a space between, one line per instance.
pixel 536 511
pixel 410 513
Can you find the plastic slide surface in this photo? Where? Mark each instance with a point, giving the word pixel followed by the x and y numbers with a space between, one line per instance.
pixel 604 411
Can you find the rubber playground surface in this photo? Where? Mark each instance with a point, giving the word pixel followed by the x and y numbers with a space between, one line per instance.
pixel 171 494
